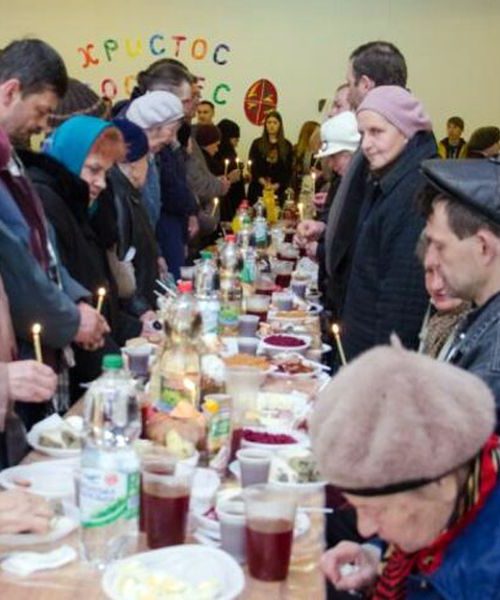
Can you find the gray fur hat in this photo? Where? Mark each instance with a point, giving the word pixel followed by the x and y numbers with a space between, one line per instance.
pixel 394 420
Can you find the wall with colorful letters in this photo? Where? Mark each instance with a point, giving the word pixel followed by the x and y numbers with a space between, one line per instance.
pixel 300 48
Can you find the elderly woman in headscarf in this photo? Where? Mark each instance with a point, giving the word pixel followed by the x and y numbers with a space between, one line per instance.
pixel 409 440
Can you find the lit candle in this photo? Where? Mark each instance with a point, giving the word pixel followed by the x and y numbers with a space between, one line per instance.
pixel 191 389
pixel 249 165
pixel 36 330
pixel 338 341
pixel 300 206
pixel 101 293
pixel 216 203
pixel 226 166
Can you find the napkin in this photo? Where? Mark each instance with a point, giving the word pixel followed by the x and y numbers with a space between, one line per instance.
pixel 25 563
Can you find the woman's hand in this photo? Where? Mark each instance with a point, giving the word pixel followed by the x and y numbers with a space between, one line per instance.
pixel 24 512
pixel 361 572
pixel 30 381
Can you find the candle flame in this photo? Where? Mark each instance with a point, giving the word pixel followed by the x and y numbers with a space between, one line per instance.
pixel 101 292
pixel 216 201
pixel 335 329
pixel 36 329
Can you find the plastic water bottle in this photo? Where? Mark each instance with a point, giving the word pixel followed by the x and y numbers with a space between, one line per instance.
pixel 180 361
pixel 206 292
pixel 109 478
pixel 230 287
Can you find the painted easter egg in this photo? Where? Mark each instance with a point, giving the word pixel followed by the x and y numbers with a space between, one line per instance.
pixel 261 97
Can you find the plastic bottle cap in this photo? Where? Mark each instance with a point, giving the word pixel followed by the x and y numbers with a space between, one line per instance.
pixel 185 287
pixel 206 254
pixel 212 406
pixel 112 361
pixel 230 237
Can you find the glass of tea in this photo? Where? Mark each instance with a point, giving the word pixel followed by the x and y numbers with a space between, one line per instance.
pixel 283 273
pixel 166 489
pixel 258 305
pixel 138 360
pixel 270 515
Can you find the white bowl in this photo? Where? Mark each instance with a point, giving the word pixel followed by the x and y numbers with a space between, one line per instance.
pixel 193 564
pixel 271 350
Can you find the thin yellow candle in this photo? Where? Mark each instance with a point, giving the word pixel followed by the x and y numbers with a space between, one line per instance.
pixel 338 341
pixel 226 166
pixel 300 206
pixel 191 389
pixel 249 165
pixel 216 203
pixel 101 293
pixel 36 330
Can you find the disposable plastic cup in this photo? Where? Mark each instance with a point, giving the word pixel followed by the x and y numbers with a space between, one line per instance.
pixel 270 521
pixel 255 465
pixel 166 487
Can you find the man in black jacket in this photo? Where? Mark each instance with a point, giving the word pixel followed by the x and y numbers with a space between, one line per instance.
pixel 463 234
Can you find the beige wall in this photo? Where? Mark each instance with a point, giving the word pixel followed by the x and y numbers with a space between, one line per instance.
pixel 452 47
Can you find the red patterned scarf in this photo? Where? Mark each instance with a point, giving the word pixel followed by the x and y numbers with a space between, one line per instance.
pixel 391 584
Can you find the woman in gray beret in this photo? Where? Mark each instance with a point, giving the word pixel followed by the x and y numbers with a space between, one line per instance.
pixel 409 440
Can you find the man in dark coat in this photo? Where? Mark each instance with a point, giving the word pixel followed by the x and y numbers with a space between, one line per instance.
pixel 463 236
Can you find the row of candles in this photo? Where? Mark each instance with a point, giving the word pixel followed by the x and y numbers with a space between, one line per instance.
pixel 36 330
pixel 239 165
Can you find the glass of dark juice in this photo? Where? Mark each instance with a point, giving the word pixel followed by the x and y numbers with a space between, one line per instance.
pixel 166 489
pixel 270 518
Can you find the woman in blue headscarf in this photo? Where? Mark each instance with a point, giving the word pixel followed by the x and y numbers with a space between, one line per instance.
pixel 69 176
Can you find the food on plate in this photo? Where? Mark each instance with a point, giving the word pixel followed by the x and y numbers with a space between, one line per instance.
pixel 247 360
pixel 291 314
pixel 292 364
pixel 178 446
pixel 21 482
pixel 184 419
pixel 63 437
pixel 265 437
pixel 294 467
pixel 135 581
pixel 284 341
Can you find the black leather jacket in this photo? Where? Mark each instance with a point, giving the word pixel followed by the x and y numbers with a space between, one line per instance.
pixel 477 347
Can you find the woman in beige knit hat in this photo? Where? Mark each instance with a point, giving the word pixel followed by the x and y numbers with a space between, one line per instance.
pixel 409 441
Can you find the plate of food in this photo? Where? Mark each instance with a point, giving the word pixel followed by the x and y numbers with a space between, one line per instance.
pixel 272 438
pixel 282 410
pixel 295 469
pixel 66 520
pixel 57 437
pixel 293 365
pixel 52 479
pixel 168 573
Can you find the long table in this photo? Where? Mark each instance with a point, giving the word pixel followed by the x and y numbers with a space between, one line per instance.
pixel 77 581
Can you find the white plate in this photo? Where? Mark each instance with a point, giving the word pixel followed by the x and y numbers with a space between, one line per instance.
pixel 51 422
pixel 193 564
pixel 62 527
pixel 51 479
pixel 306 488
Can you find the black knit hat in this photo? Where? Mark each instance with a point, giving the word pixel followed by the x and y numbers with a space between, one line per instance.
pixel 207 134
pixel 135 139
pixel 79 99
pixel 228 129
pixel 483 138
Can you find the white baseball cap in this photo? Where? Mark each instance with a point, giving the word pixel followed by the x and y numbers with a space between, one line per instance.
pixel 339 133
pixel 155 108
